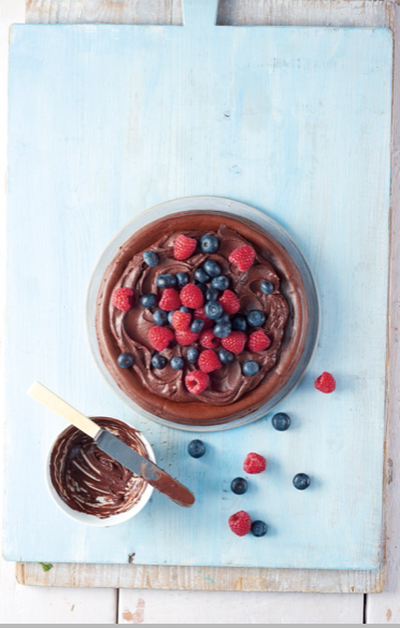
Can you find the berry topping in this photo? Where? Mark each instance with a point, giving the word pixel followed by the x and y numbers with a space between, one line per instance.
pixel 202 287
pixel 170 300
pixel 239 323
pixel 254 463
pixel 196 382
pixel 240 523
pixel 209 361
pixel 192 355
pixel 212 268
pixel 229 302
pixel 177 363
pixel 182 279
pixel 208 339
pixel 255 318
pixel 225 356
pixel 259 528
pixel 220 283
pixel 185 309
pixel 160 317
pixel 160 337
pixel 281 421
pixel 200 313
pixel 224 319
pixel 201 276
pixel 123 299
pixel 209 244
pixel 267 287
pixel 158 361
pixel 184 247
pixel 150 258
pixel 258 341
pixel 170 315
pixel 181 320
pixel 197 325
pixel 212 294
pixel 192 296
pixel 196 448
pixel 243 257
pixel 325 383
pixel 166 281
pixel 301 481
pixel 239 486
pixel 149 300
pixel 235 342
pixel 222 330
pixel 186 337
pixel 125 360
pixel 213 310
pixel 250 368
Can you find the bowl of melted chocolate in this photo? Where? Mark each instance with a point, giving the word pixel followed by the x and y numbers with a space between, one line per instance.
pixel 91 487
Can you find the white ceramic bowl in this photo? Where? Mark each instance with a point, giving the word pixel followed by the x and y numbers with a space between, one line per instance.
pixel 92 520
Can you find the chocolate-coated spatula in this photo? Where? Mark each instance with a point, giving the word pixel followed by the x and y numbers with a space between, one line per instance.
pixel 115 448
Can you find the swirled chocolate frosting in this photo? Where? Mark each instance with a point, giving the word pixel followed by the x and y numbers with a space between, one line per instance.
pixel 88 480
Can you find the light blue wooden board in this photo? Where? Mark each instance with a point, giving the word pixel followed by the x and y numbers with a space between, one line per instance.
pixel 107 121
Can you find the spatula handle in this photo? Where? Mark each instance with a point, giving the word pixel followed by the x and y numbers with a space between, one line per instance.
pixel 61 407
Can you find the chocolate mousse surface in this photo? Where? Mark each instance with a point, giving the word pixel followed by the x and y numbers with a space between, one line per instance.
pixel 230 394
pixel 88 480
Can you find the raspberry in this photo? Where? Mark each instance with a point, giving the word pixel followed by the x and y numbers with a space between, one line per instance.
pixel 123 299
pixel 200 313
pixel 181 320
pixel 186 337
pixel 254 463
pixel 243 257
pixel 209 361
pixel 325 383
pixel 235 342
pixel 240 523
pixel 192 296
pixel 258 341
pixel 208 339
pixel 160 337
pixel 184 247
pixel 170 300
pixel 229 302
pixel 196 382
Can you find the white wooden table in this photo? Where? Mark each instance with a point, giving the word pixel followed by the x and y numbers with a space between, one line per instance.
pixel 19 604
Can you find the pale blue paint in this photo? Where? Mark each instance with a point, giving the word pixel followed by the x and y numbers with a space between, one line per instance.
pixel 106 121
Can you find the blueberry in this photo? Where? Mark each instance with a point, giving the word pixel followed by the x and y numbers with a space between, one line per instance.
pixel 225 356
pixel 220 283
pixel 149 300
pixel 158 361
pixel 202 287
pixel 259 528
pixel 281 421
pixel 182 279
pixel 160 317
pixel 250 367
pixel 212 294
pixel 197 325
pixel 256 318
pixel 201 276
pixel 196 448
pixel 177 363
pixel 239 323
pixel 266 287
pixel 150 258
pixel 222 330
pixel 170 315
pixel 239 486
pixel 166 281
pixel 301 481
pixel 209 244
pixel 125 360
pixel 213 310
pixel 212 268
pixel 224 319
pixel 183 308
pixel 192 354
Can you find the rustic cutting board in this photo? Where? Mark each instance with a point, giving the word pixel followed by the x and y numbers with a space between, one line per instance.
pixel 106 121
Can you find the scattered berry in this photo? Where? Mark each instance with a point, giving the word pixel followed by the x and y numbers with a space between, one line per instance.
pixel 258 341
pixel 182 279
pixel 239 486
pixel 229 302
pixel 170 300
pixel 196 382
pixel 225 356
pixel 184 247
pixel 281 421
pixel 181 320
pixel 209 244
pixel 177 363
pixel 197 325
pixel 240 523
pixel 201 276
pixel 235 342
pixel 160 317
pixel 213 310
pixel 243 257
pixel 158 361
pixel 255 318
pixel 192 355
pixel 208 339
pixel 196 448
pixel 160 337
pixel 212 294
pixel 239 323
pixel 166 281
pixel 123 299
pixel 222 330
pixel 149 300
pixel 220 283
pixel 212 268
pixel 325 383
pixel 125 360
pixel 150 258
pixel 259 528
pixel 254 463
pixel 192 296
pixel 301 481
pixel 250 368
pixel 186 337
pixel 200 313
pixel 267 287
pixel 209 361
